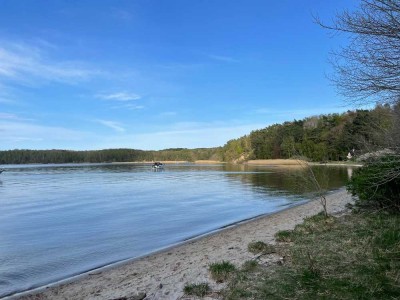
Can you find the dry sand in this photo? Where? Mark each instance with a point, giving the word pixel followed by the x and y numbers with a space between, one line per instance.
pixel 208 161
pixel 163 275
pixel 299 163
pixel 274 162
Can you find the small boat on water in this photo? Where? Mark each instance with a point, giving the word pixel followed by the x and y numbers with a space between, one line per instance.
pixel 157 166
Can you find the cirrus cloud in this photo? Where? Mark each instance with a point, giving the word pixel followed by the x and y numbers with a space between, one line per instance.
pixel 121 96
pixel 112 124
pixel 29 65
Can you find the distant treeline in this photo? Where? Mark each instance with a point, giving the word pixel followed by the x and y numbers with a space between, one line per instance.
pixel 99 156
pixel 320 138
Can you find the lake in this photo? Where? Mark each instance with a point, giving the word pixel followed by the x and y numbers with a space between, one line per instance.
pixel 57 221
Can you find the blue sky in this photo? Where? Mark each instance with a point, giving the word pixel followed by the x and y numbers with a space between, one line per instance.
pixel 160 74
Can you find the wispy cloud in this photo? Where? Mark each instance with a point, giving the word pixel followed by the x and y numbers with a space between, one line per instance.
pixel 121 96
pixel 13 117
pixel 8 116
pixel 222 58
pixel 24 64
pixel 6 100
pixel 112 124
pixel 128 106
pixel 168 114
pixel 19 134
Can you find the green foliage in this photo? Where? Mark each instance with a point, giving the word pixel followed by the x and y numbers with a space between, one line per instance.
pixel 221 271
pixel 237 149
pixel 352 257
pixel 284 236
pixel 377 184
pixel 108 155
pixel 249 265
pixel 260 247
pixel 320 138
pixel 199 289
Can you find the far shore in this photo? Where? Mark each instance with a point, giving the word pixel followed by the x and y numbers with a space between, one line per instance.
pixel 255 162
pixel 296 162
pixel 200 161
pixel 163 275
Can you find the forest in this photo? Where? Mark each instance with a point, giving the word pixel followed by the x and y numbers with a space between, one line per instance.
pixel 319 138
pixel 100 156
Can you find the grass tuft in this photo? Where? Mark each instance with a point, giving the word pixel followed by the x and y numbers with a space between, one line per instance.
pixel 221 271
pixel 249 265
pixel 261 247
pixel 284 236
pixel 196 289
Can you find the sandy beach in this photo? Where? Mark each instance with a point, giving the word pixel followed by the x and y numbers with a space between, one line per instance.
pixel 275 162
pixel 163 275
pixel 297 163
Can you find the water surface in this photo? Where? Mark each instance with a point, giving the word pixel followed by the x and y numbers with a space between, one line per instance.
pixel 57 221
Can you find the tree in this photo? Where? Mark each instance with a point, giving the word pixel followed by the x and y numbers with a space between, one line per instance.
pixel 368 69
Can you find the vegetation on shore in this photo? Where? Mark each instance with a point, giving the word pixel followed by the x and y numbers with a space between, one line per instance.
pixel 319 138
pixel 101 156
pixel 349 257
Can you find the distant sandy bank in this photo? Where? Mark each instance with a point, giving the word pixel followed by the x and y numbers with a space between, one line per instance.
pixel 163 275
pixel 295 162
pixel 169 162
pixel 151 162
pixel 208 162
pixel 275 162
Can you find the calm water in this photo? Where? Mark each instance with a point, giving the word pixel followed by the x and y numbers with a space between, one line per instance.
pixel 57 221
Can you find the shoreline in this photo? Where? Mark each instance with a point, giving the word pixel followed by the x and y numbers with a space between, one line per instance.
pixel 164 273
pixel 256 162
pixel 297 163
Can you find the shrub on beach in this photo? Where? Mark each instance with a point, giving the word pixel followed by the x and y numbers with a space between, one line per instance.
pixel 196 289
pixel 260 247
pixel 285 236
pixel 377 184
pixel 221 271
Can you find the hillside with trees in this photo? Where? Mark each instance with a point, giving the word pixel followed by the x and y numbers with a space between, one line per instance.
pixel 319 138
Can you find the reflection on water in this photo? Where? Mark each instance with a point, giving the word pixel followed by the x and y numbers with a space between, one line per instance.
pixel 349 172
pixel 292 181
pixel 61 220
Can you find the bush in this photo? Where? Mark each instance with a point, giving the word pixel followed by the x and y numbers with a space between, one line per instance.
pixel 260 247
pixel 199 290
pixel 285 236
pixel 221 271
pixel 377 184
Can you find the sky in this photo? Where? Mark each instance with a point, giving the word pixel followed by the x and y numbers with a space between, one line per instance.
pixel 156 74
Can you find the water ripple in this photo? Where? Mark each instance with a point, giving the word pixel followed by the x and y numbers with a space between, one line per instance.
pixel 57 221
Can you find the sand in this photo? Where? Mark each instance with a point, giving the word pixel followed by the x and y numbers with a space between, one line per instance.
pixel 275 162
pixel 299 163
pixel 163 275
pixel 208 161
